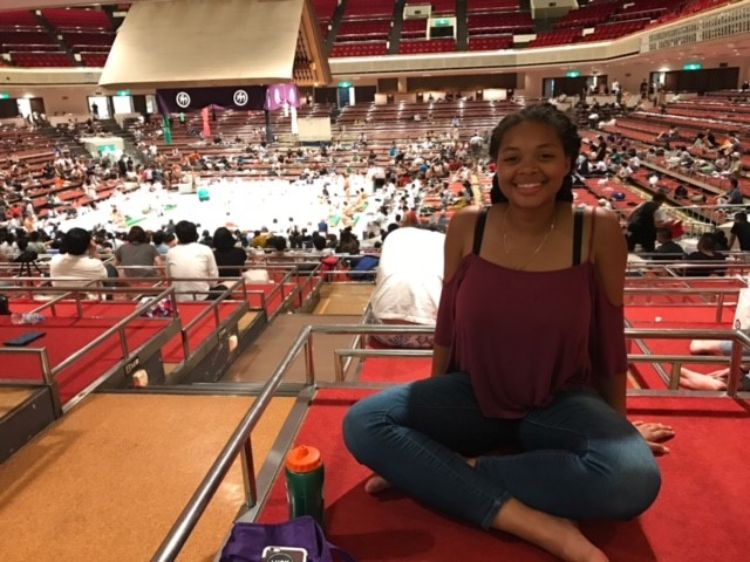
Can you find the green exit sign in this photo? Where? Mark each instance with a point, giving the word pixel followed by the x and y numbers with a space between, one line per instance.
pixel 345 84
pixel 692 66
pixel 442 22
pixel 123 93
pixel 573 73
pixel 4 96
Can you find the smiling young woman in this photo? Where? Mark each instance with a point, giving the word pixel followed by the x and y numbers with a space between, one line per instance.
pixel 529 353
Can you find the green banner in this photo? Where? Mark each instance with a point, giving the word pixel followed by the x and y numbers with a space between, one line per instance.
pixel 166 129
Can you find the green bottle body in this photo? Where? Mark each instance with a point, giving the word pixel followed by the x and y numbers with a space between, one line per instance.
pixel 304 493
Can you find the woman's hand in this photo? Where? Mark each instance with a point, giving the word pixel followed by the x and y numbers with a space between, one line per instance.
pixel 655 434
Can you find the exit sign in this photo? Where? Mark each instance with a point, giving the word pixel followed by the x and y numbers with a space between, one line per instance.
pixel 692 66
pixel 123 93
pixel 573 73
pixel 4 96
pixel 345 84
pixel 442 22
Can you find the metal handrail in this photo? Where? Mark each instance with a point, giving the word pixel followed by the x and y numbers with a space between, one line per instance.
pixel 237 443
pixel 187 520
pixel 49 373
pixel 117 327
pixel 214 303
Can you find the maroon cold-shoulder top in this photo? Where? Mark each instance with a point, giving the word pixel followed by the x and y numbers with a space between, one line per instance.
pixel 523 336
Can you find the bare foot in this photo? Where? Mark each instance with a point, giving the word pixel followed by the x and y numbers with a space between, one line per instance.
pixel 698 381
pixel 556 535
pixel 578 548
pixel 377 484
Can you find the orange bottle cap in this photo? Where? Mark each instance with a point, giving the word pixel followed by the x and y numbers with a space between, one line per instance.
pixel 303 459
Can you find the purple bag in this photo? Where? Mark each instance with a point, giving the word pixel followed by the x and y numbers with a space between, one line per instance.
pixel 247 541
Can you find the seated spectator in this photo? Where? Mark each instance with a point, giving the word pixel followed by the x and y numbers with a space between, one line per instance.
pixel 601 148
pixel 159 238
pixel 720 240
pixel 138 256
pixel 706 252
pixel 190 263
pixel 667 249
pixel 643 222
pixel 594 119
pixel 740 232
pixel 229 258
pixel 76 264
pixel 731 144
pixel 699 141
pixel 668 137
pixel 408 284
pixel 717 380
pixel 348 244
pixel 711 139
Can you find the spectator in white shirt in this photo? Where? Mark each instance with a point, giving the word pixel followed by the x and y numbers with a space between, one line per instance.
pixel 76 265
pixel 191 260
pixel 409 284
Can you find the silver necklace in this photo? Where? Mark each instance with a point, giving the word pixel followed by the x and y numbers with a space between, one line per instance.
pixel 506 245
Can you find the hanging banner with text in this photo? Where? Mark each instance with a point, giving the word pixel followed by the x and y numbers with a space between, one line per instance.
pixel 241 98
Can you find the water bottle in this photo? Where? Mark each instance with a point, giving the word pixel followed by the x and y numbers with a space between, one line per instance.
pixel 26 318
pixel 304 483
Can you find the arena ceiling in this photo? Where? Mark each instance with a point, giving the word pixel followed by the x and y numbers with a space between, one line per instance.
pixel 180 43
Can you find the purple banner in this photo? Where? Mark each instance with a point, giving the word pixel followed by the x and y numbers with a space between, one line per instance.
pixel 281 95
pixel 193 99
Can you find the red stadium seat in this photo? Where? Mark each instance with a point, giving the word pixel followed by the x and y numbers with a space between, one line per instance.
pixel 427 46
pixel 18 19
pixel 75 18
pixel 490 43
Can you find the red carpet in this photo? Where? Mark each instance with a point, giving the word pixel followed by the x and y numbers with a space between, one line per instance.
pixel 699 318
pixel 91 309
pixel 273 301
pixel 395 369
pixel 172 352
pixel 699 516
pixel 65 336
pixel 693 316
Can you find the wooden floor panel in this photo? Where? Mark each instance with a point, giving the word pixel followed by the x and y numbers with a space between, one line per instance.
pixel 11 397
pixel 344 299
pixel 108 480
pixel 259 360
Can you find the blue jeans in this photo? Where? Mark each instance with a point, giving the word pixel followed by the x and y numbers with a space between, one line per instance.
pixel 579 458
